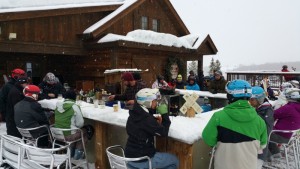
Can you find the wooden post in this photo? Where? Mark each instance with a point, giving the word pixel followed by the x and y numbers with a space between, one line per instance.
pixel 183 151
pixel 100 145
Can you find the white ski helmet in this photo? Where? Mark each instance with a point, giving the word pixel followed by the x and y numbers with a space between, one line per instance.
pixel 146 96
pixel 285 85
pixel 295 83
pixel 292 94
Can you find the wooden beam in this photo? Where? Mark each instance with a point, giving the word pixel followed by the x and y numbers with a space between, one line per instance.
pixel 41 48
pixel 54 12
pixel 96 33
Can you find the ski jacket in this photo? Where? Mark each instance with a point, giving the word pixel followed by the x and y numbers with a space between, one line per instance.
pixel 180 85
pixel 29 114
pixel 266 112
pixel 287 77
pixel 195 86
pixel 4 93
pixel 288 118
pixel 238 133
pixel 68 115
pixel 46 88
pixel 217 86
pixel 130 91
pixel 14 96
pixel 141 128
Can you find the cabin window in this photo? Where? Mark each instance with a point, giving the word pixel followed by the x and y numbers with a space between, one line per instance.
pixel 155 25
pixel 144 22
pixel 29 69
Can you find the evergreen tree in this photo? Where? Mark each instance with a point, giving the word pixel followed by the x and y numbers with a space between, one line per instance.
pixel 193 66
pixel 217 65
pixel 214 65
pixel 211 66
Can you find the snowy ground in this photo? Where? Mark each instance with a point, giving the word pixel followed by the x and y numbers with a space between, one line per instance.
pixel 3 131
pixel 275 164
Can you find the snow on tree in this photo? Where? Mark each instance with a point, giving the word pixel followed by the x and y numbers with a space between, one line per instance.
pixel 214 66
pixel 217 65
pixel 193 65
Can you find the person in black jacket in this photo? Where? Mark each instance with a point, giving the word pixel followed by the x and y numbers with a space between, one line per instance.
pixel 141 128
pixel 51 87
pixel 15 74
pixel 14 96
pixel 29 113
pixel 265 111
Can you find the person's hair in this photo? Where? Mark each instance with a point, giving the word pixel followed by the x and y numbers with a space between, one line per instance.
pixel 70 94
pixel 160 77
pixel 136 76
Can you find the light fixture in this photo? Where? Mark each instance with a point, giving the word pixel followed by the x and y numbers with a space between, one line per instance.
pixel 12 36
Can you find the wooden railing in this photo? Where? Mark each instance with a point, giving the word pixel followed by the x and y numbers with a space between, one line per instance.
pixel 255 77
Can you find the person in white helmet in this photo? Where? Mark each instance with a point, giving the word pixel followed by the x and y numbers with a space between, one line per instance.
pixel 264 109
pixel 236 131
pixel 282 100
pixel 141 128
pixel 287 117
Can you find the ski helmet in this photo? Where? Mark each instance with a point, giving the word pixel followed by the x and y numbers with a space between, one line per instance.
pixel 146 96
pixel 31 91
pixel 239 88
pixel 292 94
pixel 16 73
pixel 50 78
pixel 285 85
pixel 258 93
pixel 295 83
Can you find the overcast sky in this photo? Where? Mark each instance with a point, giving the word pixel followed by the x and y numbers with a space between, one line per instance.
pixel 246 31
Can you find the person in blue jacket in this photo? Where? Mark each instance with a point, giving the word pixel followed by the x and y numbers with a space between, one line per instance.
pixel 192 85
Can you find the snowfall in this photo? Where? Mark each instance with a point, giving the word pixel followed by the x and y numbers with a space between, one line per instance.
pixel 188 130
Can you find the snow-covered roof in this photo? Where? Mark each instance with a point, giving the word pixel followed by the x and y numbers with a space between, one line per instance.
pixel 155 38
pixel 34 5
pixel 126 4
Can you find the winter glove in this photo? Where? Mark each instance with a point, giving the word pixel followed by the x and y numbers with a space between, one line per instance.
pixel 162 109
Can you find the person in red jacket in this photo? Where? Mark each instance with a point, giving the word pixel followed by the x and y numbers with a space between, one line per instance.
pixel 286 76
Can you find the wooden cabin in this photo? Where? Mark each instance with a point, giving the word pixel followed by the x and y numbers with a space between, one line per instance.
pixel 64 39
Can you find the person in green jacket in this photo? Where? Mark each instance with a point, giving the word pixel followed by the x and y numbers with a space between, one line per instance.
pixel 237 132
pixel 68 115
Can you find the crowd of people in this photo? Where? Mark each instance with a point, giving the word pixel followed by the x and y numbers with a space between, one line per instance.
pixel 239 131
pixel 20 109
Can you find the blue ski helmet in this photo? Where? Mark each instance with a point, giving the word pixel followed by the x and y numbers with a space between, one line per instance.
pixel 239 88
pixel 258 93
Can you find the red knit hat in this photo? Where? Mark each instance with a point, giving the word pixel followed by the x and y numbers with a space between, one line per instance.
pixel 127 76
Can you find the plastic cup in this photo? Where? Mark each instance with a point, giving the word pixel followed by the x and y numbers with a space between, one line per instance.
pixel 116 107
pixel 59 97
pixel 96 103
pixel 101 104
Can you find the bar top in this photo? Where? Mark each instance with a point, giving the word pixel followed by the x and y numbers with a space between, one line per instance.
pixel 184 129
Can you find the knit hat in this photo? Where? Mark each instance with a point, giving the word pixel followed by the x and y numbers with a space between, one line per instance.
pixel 127 76
pixel 218 72
pixel 179 77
